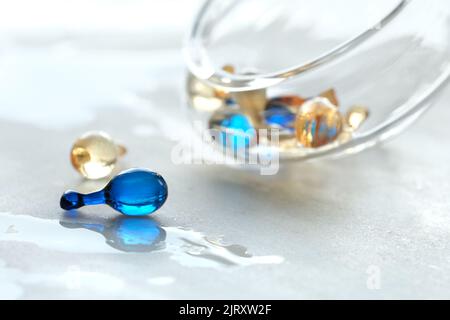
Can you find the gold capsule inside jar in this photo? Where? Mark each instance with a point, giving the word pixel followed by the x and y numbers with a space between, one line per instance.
pixel 94 155
pixel 202 96
pixel 318 123
pixel 356 116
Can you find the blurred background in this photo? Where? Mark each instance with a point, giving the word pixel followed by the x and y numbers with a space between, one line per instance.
pixel 107 46
pixel 374 225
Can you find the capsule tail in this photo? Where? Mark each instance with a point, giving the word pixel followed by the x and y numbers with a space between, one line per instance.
pixel 71 200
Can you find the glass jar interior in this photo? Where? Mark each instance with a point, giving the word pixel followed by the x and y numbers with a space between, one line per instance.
pixel 389 56
pixel 267 36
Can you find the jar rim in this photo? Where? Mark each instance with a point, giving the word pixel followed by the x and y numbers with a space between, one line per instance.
pixel 194 53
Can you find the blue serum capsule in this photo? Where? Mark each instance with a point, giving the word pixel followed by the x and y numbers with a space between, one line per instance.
pixel 280 116
pixel 134 192
pixel 235 129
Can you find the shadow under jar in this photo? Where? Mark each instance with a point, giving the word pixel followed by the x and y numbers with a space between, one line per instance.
pixel 256 63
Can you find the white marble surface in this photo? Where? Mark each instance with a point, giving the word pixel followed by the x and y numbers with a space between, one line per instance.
pixel 374 225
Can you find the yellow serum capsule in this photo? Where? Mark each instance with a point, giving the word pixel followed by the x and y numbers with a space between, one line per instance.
pixel 318 123
pixel 94 155
pixel 204 97
pixel 222 94
pixel 356 116
pixel 330 94
pixel 354 119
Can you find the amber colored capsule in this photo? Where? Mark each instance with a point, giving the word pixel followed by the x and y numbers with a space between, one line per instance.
pixel 202 96
pixel 291 101
pixel 229 68
pixel 318 123
pixel 94 155
pixel 222 94
pixel 330 94
pixel 252 103
pixel 355 117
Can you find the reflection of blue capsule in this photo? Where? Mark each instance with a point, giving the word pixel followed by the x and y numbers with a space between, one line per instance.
pixel 137 232
pixel 238 132
pixel 280 116
pixel 134 192
pixel 131 234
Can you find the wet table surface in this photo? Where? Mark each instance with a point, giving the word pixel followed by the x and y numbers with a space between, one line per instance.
pixel 373 225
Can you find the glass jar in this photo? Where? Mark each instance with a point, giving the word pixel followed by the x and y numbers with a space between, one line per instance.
pixel 391 56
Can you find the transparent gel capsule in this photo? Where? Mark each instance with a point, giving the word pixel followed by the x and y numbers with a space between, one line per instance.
pixel 318 123
pixel 134 192
pixel 95 154
pixel 330 94
pixel 203 97
pixel 355 117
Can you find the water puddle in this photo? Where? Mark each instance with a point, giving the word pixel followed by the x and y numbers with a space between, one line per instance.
pixel 127 234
